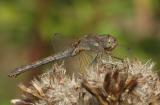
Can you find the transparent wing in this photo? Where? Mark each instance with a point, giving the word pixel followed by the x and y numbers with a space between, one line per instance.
pixel 85 60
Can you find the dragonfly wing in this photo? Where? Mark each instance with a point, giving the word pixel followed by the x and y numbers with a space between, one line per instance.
pixel 85 60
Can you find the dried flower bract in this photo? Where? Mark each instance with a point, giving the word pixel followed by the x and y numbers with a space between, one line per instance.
pixel 108 82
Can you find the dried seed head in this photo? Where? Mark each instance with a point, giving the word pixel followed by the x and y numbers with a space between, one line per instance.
pixel 108 82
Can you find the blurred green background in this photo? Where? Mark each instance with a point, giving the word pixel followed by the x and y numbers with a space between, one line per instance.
pixel 27 30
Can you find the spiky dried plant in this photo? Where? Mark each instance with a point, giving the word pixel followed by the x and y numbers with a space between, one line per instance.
pixel 108 82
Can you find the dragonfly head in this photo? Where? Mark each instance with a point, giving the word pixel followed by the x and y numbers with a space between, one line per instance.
pixel 109 43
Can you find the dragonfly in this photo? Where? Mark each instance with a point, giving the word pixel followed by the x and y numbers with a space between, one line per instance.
pixel 98 44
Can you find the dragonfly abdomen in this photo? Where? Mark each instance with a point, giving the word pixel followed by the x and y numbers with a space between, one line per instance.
pixel 59 56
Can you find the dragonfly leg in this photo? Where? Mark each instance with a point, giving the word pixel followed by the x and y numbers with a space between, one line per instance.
pixel 108 53
pixel 117 58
